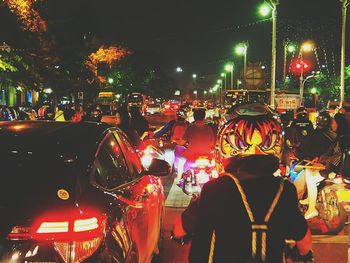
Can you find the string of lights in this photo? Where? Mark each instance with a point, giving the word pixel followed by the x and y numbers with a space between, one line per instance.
pixel 326 60
pixel 318 61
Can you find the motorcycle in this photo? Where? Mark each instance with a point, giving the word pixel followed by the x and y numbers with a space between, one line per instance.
pixel 199 173
pixel 331 194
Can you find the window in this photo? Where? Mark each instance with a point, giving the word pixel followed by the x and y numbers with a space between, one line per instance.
pixel 111 168
pixel 132 155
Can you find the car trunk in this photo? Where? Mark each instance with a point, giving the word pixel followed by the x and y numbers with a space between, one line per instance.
pixel 33 184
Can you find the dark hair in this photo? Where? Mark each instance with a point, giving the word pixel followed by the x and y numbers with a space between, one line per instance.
pixel 285 119
pixel 199 114
pixel 343 126
pixel 124 118
pixel 135 112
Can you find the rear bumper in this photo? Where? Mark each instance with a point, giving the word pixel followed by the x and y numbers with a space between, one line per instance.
pixel 33 251
pixel 27 251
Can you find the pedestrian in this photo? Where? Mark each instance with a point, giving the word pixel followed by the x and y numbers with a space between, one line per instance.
pixel 342 129
pixel 123 122
pixel 137 121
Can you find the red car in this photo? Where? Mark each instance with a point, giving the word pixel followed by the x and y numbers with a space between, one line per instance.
pixel 76 192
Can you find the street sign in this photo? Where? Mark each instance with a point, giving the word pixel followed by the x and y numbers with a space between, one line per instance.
pixel 287 101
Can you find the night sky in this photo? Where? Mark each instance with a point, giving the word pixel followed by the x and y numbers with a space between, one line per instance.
pixel 197 35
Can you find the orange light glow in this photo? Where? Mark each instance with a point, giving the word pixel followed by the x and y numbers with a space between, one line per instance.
pixel 108 55
pixel 28 16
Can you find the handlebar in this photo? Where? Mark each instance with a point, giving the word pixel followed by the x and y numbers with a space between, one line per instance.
pixel 292 253
pixel 180 240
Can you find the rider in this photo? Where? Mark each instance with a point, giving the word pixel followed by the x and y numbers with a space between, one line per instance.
pixel 176 128
pixel 320 147
pixel 228 220
pixel 200 138
pixel 302 124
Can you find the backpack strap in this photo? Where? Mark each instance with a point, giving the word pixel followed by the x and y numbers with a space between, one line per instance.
pixel 258 227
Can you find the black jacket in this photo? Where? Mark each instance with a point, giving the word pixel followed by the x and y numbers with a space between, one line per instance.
pixel 220 208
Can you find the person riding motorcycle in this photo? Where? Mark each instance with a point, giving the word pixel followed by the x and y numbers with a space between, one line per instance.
pixel 246 214
pixel 175 128
pixel 200 138
pixel 302 124
pixel 320 147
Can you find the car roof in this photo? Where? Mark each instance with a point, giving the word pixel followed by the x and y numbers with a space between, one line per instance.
pixel 65 137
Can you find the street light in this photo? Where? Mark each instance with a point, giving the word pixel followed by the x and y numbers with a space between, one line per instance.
pixel 345 4
pixel 272 4
pixel 229 68
pixel 305 47
pixel 302 87
pixel 194 76
pixel 314 92
pixel 110 80
pixel 179 70
pixel 288 48
pixel 264 10
pixel 241 50
pixel 195 93
pixel 223 75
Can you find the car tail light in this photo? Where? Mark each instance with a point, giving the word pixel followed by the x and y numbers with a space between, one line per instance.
pixel 75 235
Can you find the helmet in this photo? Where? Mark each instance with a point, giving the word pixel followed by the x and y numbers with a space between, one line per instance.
pixel 302 113
pixel 324 120
pixel 96 115
pixel 254 129
pixel 181 115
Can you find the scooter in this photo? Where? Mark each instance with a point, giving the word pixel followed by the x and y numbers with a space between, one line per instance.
pixel 328 204
pixel 199 172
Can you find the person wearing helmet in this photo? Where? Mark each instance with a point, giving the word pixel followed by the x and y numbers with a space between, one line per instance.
pixel 302 125
pixel 201 142
pixel 320 147
pixel 175 128
pixel 95 114
pixel 247 213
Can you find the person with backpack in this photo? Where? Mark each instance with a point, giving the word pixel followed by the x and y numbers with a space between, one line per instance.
pixel 247 213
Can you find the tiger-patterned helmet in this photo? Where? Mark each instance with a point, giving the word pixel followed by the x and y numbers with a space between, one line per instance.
pixel 253 129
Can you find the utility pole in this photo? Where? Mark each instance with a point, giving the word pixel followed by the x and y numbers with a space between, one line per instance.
pixel 345 4
pixel 273 4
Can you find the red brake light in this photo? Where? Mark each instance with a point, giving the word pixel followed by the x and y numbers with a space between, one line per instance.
pixel 75 235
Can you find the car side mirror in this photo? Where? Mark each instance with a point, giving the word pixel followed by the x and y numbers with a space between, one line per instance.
pixel 158 168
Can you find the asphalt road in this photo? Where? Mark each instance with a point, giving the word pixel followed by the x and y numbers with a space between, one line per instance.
pixel 327 249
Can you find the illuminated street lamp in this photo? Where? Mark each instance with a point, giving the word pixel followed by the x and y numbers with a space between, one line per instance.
pixel 229 68
pixel 179 70
pixel 195 93
pixel 194 76
pixel 110 80
pixel 314 92
pixel 272 4
pixel 305 47
pixel 241 50
pixel 264 10
pixel 288 48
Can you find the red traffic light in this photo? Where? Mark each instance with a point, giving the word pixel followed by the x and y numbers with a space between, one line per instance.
pixel 299 66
